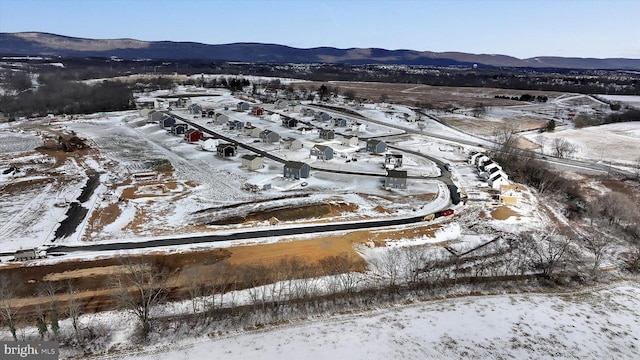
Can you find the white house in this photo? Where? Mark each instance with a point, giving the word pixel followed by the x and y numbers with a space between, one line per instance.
pixel 358 127
pixel 208 144
pixel 498 179
pixel 274 118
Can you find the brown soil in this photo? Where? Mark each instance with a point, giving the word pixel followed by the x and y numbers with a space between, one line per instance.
pixel 313 211
pixel 503 213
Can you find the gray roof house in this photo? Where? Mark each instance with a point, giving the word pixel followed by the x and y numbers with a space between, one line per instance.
pixel 269 136
pixel 289 122
pixel 321 152
pixel 226 149
pixel 327 134
pixel 155 116
pixel 167 121
pixel 322 116
pixel 376 146
pixel 340 122
pixel 221 118
pixel 395 179
pixel 235 125
pixel 179 128
pixel 243 106
pixel 292 144
pixel 252 162
pixel 307 112
pixel 194 109
pixel 296 170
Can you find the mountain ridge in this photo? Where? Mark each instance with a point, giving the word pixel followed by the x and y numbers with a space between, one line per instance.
pixel 47 44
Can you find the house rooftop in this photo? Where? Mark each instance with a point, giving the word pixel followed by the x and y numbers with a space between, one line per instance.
pixel 250 157
pixel 294 164
pixel 396 173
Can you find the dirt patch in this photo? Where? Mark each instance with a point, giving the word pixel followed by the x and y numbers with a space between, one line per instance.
pixel 503 213
pixel 286 213
pixel 103 217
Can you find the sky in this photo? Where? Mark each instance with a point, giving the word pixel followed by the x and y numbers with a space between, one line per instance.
pixel 520 28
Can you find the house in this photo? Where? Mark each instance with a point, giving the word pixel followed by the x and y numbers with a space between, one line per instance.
pixel 269 136
pixel 409 118
pixel 291 144
pixel 491 166
pixel 257 111
pixel 179 128
pixel 359 127
pixel 167 121
pixel 307 112
pixel 194 109
pixel 321 152
pixel 474 157
pixel 498 179
pixel 392 161
pixel 226 150
pixel 340 122
pixel 395 179
pixel 208 143
pixel 482 161
pixel 281 104
pixel 193 135
pixel 376 146
pixel 252 131
pixel 349 140
pixel 274 117
pixel 182 102
pixel 322 116
pixel 243 106
pixel 22 255
pixel 155 116
pixel 306 130
pixel 145 104
pixel 252 162
pixel 211 113
pixel 289 122
pixel 327 134
pixel 235 125
pixel 296 170
pixel 221 118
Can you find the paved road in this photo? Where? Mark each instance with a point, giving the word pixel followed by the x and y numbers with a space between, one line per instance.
pixel 237 236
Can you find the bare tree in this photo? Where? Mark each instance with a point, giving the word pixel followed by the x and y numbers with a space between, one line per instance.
pixel 9 287
pixel 597 246
pixel 479 109
pixel 50 289
pixel 549 249
pixel 505 135
pixel 562 148
pixel 74 306
pixel 192 278
pixel 139 287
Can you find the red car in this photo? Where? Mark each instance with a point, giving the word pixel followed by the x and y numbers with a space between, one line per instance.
pixel 447 212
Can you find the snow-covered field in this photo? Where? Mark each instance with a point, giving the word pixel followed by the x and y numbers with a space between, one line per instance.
pixel 630 100
pixel 619 142
pixel 599 323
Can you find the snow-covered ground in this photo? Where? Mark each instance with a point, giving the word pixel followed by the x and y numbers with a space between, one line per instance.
pixel 619 142
pixel 588 324
pixel 630 100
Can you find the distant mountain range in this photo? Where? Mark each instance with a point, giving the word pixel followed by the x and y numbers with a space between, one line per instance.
pixel 44 44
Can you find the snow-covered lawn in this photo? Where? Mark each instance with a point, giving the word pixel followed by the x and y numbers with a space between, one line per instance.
pixel 597 323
